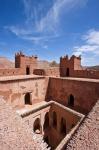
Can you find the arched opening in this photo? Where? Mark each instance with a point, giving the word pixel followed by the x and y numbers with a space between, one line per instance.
pixel 46 122
pixel 28 99
pixel 46 139
pixel 54 120
pixel 71 100
pixel 27 70
pixel 67 72
pixel 36 126
pixel 63 126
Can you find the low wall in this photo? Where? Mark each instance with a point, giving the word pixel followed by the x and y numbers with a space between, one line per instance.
pixel 85 92
pixel 53 71
pixel 86 74
pixel 10 72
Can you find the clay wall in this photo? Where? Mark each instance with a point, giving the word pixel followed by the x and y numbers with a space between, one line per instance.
pixel 54 71
pixel 85 74
pixel 10 72
pixel 85 92
pixel 52 132
pixel 14 91
pixel 22 61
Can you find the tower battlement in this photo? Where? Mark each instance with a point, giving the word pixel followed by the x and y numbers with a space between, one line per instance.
pixel 68 65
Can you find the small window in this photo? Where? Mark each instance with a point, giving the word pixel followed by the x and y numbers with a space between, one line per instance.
pixel 28 99
pixel 71 100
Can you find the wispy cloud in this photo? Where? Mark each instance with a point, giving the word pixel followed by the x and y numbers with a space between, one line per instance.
pixel 43 19
pixel 91 43
pixel 90 48
pixel 49 21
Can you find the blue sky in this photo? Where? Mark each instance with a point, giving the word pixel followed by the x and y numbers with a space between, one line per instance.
pixel 50 28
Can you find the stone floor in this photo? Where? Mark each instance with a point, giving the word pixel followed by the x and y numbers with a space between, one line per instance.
pixel 87 136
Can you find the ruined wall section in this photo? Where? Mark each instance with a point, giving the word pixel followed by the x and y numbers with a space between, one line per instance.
pixel 52 71
pixel 85 92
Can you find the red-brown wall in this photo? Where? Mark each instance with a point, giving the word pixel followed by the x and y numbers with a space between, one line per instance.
pixel 85 92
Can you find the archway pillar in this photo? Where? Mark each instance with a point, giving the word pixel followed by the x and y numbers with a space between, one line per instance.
pixel 42 123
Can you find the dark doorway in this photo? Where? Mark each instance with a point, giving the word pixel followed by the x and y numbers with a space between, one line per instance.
pixel 46 140
pixel 28 99
pixel 67 72
pixel 46 122
pixel 71 100
pixel 27 70
pixel 36 126
pixel 54 120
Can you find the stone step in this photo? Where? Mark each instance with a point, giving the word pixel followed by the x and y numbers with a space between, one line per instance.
pixel 39 139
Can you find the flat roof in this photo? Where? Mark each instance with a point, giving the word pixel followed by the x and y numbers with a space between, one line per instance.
pixel 20 77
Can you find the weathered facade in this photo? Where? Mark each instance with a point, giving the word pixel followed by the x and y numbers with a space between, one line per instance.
pixel 47 99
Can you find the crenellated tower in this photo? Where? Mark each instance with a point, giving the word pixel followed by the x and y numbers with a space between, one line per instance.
pixel 68 65
pixel 26 63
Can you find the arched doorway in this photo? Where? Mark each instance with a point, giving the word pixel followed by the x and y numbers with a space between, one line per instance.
pixel 63 126
pixel 54 120
pixel 37 126
pixel 28 99
pixel 71 100
pixel 67 72
pixel 46 122
pixel 27 70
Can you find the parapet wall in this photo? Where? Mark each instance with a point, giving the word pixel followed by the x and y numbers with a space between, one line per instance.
pixel 86 74
pixel 54 71
pixel 10 72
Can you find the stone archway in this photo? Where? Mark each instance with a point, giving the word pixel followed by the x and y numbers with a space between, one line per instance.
pixel 46 122
pixel 37 126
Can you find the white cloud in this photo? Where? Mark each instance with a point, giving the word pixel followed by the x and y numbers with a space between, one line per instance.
pixel 92 37
pixel 43 25
pixel 51 18
pixel 91 40
pixel 90 49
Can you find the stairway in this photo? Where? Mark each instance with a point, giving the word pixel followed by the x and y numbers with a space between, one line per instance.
pixel 41 142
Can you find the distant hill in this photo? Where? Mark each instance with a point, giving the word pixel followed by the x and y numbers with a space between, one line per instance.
pixel 54 64
pixel 93 67
pixel 5 63
pixel 45 64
